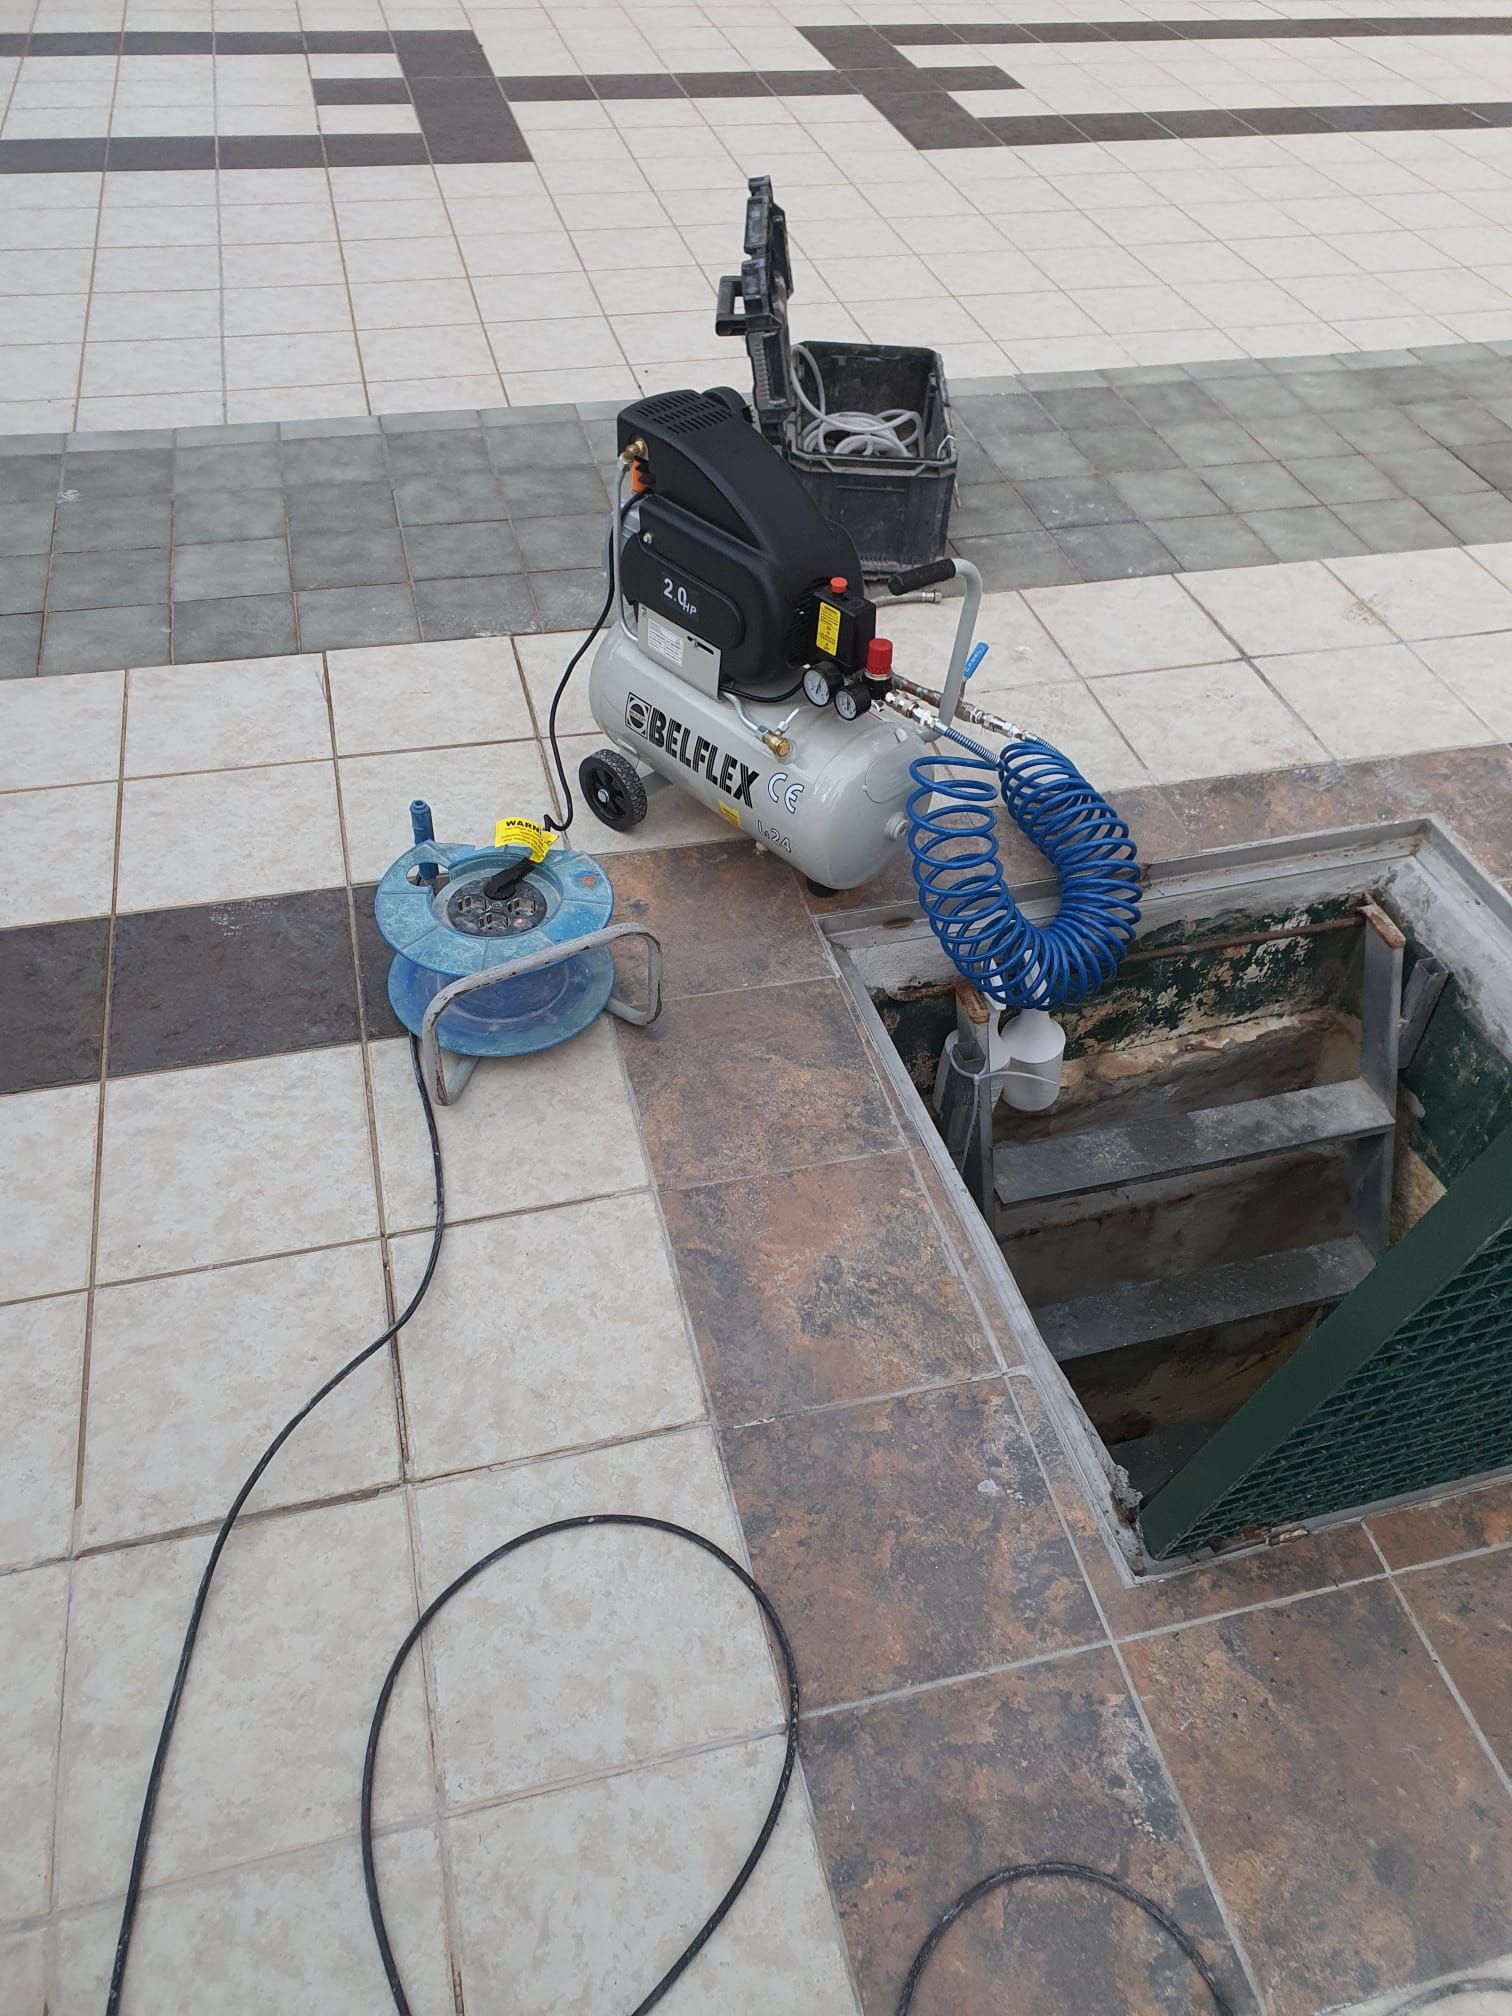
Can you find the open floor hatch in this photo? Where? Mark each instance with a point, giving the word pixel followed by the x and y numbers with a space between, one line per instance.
pixel 1261 1246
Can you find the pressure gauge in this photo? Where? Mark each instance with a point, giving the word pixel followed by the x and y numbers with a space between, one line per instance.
pixel 817 686
pixel 849 703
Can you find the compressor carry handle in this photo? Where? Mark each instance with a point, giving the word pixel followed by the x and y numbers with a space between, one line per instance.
pixel 907 581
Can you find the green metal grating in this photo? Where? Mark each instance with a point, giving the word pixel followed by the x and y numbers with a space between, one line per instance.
pixel 1406 1385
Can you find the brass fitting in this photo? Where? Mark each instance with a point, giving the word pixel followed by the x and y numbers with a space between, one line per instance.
pixel 635 452
pixel 779 744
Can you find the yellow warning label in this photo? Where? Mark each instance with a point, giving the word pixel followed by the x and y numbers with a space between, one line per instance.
pixel 827 636
pixel 523 833
pixel 727 812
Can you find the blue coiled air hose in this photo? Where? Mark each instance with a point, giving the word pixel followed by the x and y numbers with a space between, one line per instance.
pixel 952 837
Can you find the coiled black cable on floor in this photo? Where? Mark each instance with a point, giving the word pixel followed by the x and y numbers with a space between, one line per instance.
pixel 758 1847
pixel 223 1534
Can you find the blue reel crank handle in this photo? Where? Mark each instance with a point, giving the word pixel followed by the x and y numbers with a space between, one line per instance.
pixel 432 1066
pixel 423 827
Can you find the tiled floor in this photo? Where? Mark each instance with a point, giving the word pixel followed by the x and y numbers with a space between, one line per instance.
pixel 197 1003
pixel 1225 293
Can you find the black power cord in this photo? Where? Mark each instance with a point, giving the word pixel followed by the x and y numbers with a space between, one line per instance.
pixel 1000 1879
pixel 561 825
pixel 758 1847
pixel 223 1534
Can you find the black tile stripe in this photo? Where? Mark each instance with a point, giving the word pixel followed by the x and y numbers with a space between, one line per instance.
pixel 52 1000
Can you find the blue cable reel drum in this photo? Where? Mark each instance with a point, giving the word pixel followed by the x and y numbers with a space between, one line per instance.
pixel 501 951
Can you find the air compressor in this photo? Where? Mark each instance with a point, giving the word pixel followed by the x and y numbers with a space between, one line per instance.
pixel 743 665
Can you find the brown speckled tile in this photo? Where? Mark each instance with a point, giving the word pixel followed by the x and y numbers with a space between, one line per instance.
pixel 1466 1609
pixel 726 916
pixel 1469 790
pixel 750 1083
pixel 916 1799
pixel 825 1285
pixel 907 1540
pixel 1317 1561
pixel 1356 1829
pixel 1453 1525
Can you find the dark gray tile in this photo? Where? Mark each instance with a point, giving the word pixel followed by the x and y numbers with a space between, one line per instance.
pixel 108 523
pixel 1115 552
pixel 1492 460
pixel 1289 436
pixel 1259 397
pixel 233 626
pixel 272 150
pixel 1226 541
pixel 1383 429
pixel 550 492
pixel 568 600
pixel 230 567
pixel 1344 479
pixel 1203 444
pixel 990 507
pixel 448 500
pixel 247 465
pixel 1173 399
pixel 206 516
pixel 1308 532
pixel 20 642
pixel 331 619
pixel 335 458
pixel 127 153
pixel 1257 486
pixel 52 1003
pixel 119 472
pixel 23 584
pixel 1092 408
pixel 1419 471
pixel 560 444
pixel 24 477
pixel 1458 423
pixel 340 507
pixel 346 559
pixel 1396 526
pixel 1166 493
pixel 1019 560
pixel 450 552
pixel 1114 450
pixel 1476 517
pixel 484 606
pixel 98 640
pixel 1074 500
pixel 1332 391
pixel 26 528
pixel 1036 455
pixel 548 543
pixel 221 981
pixel 375 150
pixel 108 580
pixel 444 452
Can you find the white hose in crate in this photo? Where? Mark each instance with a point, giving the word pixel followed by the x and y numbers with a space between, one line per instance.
pixel 897 434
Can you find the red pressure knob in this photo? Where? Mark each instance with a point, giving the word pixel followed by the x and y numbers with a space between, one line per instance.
pixel 879 660
pixel 839 583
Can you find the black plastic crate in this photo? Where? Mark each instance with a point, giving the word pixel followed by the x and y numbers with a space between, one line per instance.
pixel 896 508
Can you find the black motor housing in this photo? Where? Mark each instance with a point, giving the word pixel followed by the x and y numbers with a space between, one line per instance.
pixel 730 546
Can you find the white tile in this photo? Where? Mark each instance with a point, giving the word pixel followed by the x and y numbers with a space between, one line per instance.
pixel 178 409
pixel 1379 701
pixel 543 659
pixel 610 1869
pixel 301 264
pixel 306 1614
pixel 523 297
pixel 435 395
pixel 385 696
pixel 39 370
pixel 64 730
pixel 191 1376
pixel 367 119
pixel 233 713
pixel 294 1932
pixel 1296 607
pixel 33 1612
pixel 448 351
pixel 1205 722
pixel 548 344
pixel 75 824
pixel 545 1129
pixel 233 1162
pixel 130 318
pixel 222 836
pixel 47 1150
pixel 1128 626
pixel 41 1364
pixel 1021 651
pixel 673 819
pixel 594 1345
pixel 468 789
pixel 292 311
pixel 411 304
pixel 622 1643
pixel 174 268
pixel 23 1970
pixel 256 363
pixel 170 364
pixel 1479 670
pixel 370 261
pixel 1069 716
pixel 1434 594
